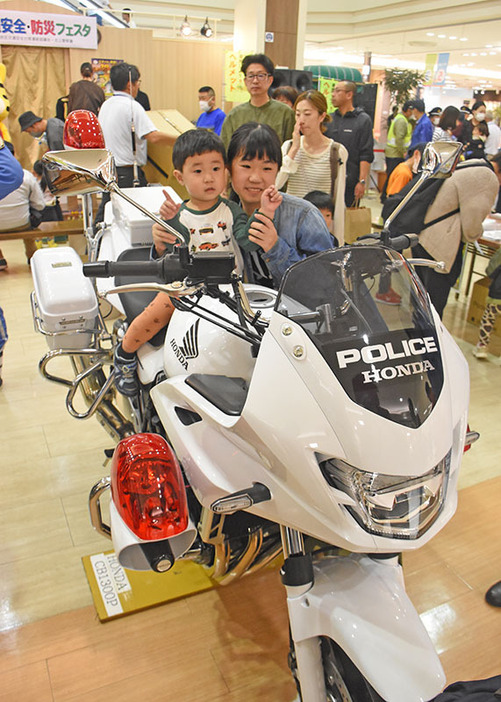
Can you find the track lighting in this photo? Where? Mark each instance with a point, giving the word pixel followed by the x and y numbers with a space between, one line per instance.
pixel 206 30
pixel 185 27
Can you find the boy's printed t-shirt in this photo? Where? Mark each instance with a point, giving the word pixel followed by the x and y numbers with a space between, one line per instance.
pixel 215 228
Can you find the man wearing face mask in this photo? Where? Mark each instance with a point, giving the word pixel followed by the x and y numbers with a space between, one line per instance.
pixel 212 117
pixel 423 131
pixel 435 115
pixel 48 130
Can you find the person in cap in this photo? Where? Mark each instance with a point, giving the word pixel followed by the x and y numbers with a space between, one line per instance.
pixel 435 115
pixel 397 141
pixel 423 131
pixel 48 130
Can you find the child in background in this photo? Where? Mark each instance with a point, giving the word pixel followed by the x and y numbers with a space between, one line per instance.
pixel 207 222
pixel 492 307
pixel 324 203
pixel 476 147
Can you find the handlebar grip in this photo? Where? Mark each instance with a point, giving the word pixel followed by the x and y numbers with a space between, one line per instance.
pixel 403 241
pixel 110 269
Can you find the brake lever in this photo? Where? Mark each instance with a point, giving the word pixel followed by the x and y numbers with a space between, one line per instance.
pixel 178 288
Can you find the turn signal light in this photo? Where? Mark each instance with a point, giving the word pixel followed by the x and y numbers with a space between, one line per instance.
pixel 471 437
pixel 147 487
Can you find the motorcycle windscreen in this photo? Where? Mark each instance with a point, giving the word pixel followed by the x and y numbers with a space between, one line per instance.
pixel 386 356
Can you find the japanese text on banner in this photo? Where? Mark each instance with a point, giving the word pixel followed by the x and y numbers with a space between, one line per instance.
pixel 41 29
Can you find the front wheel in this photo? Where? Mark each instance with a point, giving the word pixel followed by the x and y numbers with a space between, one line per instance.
pixel 343 681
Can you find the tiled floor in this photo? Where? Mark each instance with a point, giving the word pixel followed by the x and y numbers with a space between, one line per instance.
pixel 50 461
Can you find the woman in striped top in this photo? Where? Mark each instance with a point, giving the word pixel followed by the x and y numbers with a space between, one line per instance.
pixel 312 161
pixel 447 124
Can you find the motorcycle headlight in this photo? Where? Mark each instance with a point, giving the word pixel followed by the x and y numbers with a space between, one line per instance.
pixel 398 507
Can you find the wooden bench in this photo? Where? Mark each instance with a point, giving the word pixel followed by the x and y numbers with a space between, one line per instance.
pixel 69 227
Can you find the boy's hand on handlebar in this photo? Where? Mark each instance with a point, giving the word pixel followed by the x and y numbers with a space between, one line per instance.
pixel 271 199
pixel 161 237
pixel 168 208
pixel 262 232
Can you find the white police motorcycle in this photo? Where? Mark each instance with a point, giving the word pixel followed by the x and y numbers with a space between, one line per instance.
pixel 312 424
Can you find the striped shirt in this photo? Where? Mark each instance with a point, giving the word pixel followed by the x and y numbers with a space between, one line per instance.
pixel 306 172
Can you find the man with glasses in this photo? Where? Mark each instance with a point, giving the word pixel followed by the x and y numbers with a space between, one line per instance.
pixel 352 127
pixel 258 72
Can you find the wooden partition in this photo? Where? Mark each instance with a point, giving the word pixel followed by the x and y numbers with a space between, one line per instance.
pixel 172 70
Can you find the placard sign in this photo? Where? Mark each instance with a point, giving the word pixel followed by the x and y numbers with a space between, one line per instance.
pixel 234 85
pixel 42 29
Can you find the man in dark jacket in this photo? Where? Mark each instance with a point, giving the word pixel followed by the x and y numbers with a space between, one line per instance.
pixel 352 127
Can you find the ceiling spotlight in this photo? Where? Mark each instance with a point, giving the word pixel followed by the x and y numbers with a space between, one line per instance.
pixel 206 30
pixel 185 28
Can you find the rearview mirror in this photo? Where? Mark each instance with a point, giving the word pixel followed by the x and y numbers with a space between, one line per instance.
pixel 80 171
pixel 88 171
pixel 440 158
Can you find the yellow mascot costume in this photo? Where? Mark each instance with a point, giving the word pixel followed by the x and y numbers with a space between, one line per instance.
pixel 4 105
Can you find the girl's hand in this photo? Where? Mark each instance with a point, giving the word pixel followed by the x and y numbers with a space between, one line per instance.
pixel 168 208
pixel 262 232
pixel 271 199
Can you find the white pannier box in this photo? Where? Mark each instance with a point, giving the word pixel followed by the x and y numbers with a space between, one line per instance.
pixel 66 300
pixel 134 224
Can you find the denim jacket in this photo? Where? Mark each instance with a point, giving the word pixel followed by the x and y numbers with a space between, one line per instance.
pixel 301 231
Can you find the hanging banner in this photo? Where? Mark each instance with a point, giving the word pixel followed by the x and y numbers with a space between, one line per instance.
pixel 234 85
pixel 441 69
pixel 435 69
pixel 42 29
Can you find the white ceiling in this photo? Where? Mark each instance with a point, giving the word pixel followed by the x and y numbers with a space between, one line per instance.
pixel 338 32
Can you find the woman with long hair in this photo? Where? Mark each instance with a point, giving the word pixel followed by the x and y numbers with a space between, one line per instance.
pixel 312 161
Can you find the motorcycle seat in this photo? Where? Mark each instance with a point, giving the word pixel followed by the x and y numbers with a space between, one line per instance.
pixel 135 302
pixel 227 394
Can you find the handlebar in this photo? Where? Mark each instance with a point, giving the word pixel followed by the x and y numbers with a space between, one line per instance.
pixel 209 267
pixel 397 243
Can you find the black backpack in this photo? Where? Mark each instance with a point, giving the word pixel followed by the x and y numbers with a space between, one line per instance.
pixel 411 219
pixel 488 690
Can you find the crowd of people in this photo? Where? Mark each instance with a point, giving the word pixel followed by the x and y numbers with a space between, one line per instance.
pixel 294 169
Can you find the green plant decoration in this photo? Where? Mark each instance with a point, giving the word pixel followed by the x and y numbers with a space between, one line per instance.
pixel 400 82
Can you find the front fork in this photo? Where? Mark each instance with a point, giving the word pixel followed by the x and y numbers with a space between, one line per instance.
pixel 298 579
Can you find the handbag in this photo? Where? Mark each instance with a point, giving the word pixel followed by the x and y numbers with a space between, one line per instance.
pixel 357 222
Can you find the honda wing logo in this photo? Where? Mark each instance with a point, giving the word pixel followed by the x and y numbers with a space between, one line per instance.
pixel 189 347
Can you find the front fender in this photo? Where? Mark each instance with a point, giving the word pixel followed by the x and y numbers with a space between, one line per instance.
pixel 361 604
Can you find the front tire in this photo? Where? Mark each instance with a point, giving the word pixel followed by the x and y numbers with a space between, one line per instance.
pixel 343 681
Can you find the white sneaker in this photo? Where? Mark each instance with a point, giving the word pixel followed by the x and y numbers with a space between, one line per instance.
pixel 480 352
